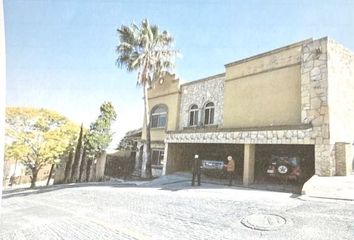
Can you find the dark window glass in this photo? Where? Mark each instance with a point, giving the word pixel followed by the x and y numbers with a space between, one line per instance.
pixel 191 118
pixel 154 121
pixel 206 120
pixel 157 157
pixel 193 115
pixel 161 121
pixel 209 114
pixel 158 117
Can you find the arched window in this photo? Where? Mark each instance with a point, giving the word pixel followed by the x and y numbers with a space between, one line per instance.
pixel 193 115
pixel 209 113
pixel 158 117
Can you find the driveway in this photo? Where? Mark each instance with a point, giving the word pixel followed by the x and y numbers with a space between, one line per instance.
pixel 170 210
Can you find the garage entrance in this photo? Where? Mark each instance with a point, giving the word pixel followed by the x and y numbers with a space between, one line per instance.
pixel 180 157
pixel 284 164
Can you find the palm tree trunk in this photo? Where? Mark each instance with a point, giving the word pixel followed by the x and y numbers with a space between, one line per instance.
pixel 148 133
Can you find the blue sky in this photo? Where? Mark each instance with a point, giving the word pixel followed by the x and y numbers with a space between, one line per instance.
pixel 61 54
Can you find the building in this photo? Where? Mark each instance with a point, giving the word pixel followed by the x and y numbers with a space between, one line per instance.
pixel 296 100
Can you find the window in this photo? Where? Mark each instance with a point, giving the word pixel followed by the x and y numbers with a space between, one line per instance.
pixel 209 114
pixel 157 157
pixel 193 115
pixel 158 117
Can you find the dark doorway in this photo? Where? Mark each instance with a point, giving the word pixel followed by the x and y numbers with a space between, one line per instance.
pixel 180 157
pixel 269 155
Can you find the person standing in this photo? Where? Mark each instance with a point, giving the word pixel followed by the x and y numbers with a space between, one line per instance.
pixel 230 168
pixel 196 169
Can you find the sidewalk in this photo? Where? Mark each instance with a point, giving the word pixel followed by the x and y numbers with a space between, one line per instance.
pixel 337 187
pixel 180 180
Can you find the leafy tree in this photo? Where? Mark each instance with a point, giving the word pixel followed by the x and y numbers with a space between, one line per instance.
pixel 98 137
pixel 37 137
pixel 126 144
pixel 150 52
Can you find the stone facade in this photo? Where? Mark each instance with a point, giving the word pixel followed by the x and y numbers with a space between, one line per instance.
pixel 200 93
pixel 302 136
pixel 315 120
pixel 321 103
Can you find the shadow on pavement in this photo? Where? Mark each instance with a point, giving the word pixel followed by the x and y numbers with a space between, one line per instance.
pixel 38 190
pixel 176 182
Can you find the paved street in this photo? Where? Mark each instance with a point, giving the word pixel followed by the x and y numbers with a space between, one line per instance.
pixel 170 211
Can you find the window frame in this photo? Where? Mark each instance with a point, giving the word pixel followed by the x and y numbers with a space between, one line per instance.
pixel 209 114
pixel 160 157
pixel 193 116
pixel 159 116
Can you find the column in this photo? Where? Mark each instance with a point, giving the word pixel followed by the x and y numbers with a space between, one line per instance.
pixel 165 154
pixel 248 164
pixel 343 158
pixel 144 160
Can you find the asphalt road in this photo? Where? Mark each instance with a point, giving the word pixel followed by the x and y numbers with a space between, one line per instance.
pixel 173 211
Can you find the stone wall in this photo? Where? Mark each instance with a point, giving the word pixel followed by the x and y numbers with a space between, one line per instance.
pixel 201 92
pixel 303 136
pixel 314 103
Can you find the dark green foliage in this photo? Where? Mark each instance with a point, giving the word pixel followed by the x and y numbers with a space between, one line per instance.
pixel 99 136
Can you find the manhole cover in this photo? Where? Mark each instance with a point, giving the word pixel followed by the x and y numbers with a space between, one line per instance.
pixel 264 222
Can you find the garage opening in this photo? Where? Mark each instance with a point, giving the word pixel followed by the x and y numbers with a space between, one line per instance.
pixel 180 158
pixel 284 164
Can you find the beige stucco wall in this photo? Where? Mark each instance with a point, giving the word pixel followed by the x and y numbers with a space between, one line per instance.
pixel 274 59
pixel 265 99
pixel 340 93
pixel 167 94
pixel 171 101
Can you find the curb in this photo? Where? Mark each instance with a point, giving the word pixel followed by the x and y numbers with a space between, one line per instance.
pixel 317 198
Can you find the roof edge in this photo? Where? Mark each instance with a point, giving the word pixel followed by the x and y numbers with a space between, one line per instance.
pixel 204 79
pixel 269 52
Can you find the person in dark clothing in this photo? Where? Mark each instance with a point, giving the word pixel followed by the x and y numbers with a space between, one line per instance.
pixel 196 169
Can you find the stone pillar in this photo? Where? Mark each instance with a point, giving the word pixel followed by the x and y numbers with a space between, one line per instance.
pixel 324 160
pixel 165 159
pixel 314 103
pixel 344 158
pixel 248 164
pixel 2 94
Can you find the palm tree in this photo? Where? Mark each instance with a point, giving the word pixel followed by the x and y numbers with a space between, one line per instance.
pixel 149 52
